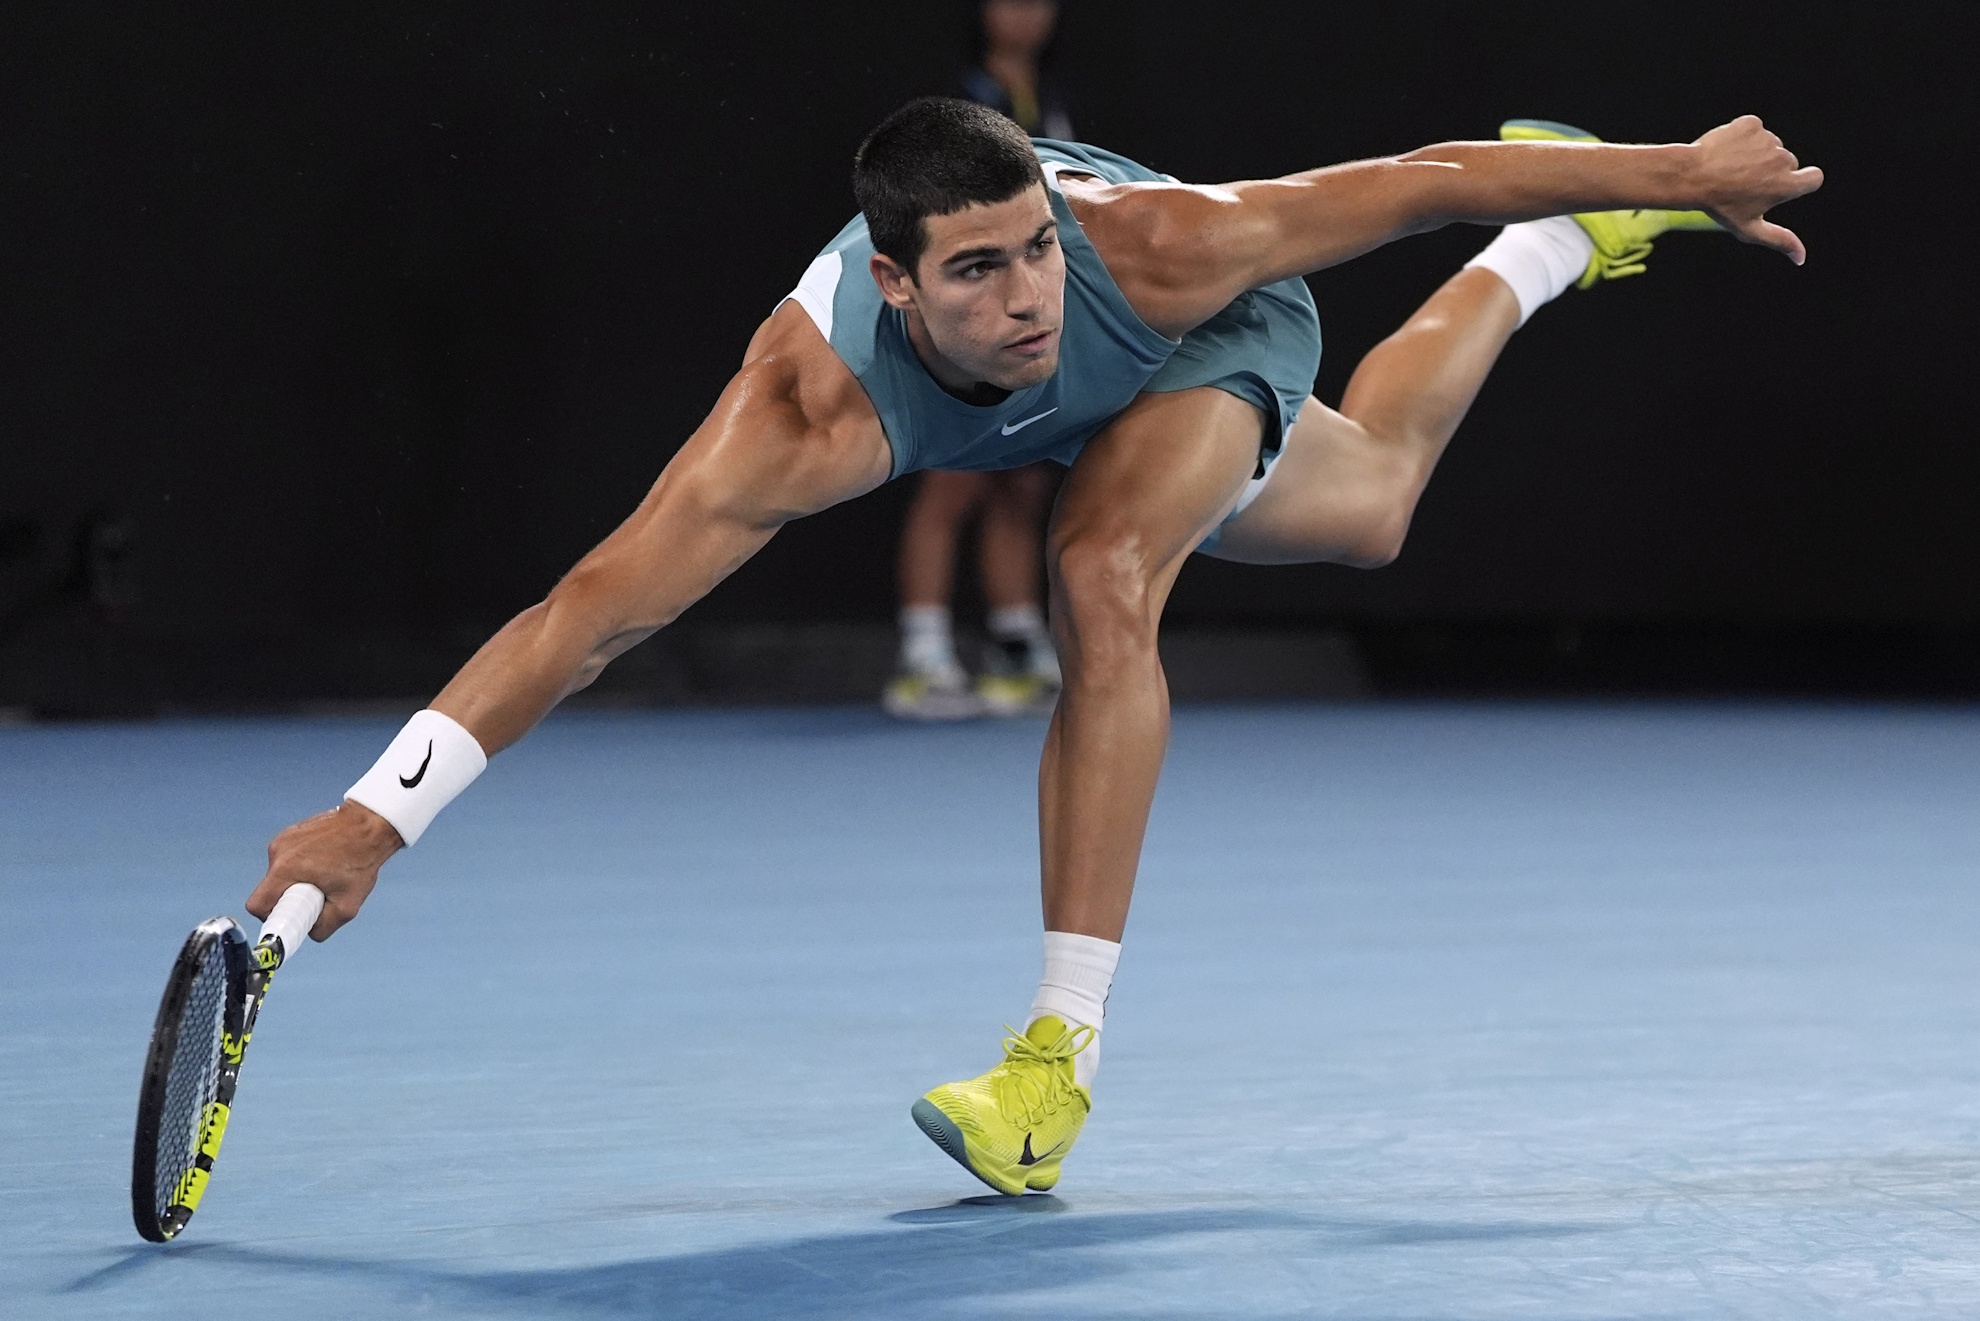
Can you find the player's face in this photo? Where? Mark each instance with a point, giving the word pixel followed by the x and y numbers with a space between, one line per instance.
pixel 991 292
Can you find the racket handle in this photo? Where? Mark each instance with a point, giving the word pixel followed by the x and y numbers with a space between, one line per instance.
pixel 295 913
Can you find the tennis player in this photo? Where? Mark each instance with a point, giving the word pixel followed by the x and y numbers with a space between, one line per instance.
pixel 1003 300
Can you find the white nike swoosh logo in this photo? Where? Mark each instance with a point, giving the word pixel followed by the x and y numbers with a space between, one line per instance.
pixel 1012 428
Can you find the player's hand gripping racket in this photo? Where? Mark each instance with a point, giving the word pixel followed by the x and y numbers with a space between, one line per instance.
pixel 203 1026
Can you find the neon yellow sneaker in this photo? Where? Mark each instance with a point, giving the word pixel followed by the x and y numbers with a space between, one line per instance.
pixel 1017 694
pixel 943 694
pixel 1622 238
pixel 1012 1127
pixel 1020 677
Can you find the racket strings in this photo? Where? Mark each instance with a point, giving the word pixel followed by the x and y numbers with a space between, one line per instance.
pixel 194 1076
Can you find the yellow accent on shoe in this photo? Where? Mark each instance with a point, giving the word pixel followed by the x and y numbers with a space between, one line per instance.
pixel 1013 1126
pixel 920 695
pixel 1543 130
pixel 1622 238
pixel 1017 694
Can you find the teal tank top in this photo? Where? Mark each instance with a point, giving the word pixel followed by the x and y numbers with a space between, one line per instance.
pixel 1106 352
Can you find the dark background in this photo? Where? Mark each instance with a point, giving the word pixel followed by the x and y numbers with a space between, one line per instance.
pixel 332 336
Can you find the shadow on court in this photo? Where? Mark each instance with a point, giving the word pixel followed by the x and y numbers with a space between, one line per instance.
pixel 943 1261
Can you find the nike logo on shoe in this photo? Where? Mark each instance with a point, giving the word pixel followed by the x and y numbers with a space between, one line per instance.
pixel 419 774
pixel 1012 428
pixel 1027 1158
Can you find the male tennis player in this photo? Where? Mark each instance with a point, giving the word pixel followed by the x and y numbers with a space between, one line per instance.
pixel 1003 300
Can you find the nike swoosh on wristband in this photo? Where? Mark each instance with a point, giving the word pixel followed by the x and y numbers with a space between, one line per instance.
pixel 419 774
pixel 1012 428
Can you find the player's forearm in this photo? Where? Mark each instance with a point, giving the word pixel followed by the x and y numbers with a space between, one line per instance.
pixel 1497 183
pixel 659 563
pixel 1307 222
pixel 537 659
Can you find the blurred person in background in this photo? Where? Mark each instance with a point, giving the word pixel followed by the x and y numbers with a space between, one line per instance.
pixel 1009 71
pixel 1010 66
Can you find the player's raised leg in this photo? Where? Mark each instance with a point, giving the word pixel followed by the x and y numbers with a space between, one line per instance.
pixel 1135 504
pixel 1347 483
pixel 1346 486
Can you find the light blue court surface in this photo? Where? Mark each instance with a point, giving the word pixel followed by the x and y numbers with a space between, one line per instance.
pixel 1426 1012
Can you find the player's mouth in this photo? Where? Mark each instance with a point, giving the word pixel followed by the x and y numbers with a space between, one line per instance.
pixel 1033 346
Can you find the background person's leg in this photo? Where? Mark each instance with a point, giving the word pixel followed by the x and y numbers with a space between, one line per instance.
pixel 943 502
pixel 1137 501
pixel 1013 536
pixel 1021 670
pixel 929 682
pixel 1347 484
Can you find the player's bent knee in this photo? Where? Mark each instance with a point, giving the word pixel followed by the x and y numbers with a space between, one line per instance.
pixel 1373 534
pixel 1103 589
pixel 1380 544
pixel 1359 538
pixel 1385 520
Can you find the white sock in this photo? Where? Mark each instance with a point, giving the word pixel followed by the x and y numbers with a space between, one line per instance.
pixel 1018 623
pixel 927 644
pixel 1538 259
pixel 1026 624
pixel 1079 971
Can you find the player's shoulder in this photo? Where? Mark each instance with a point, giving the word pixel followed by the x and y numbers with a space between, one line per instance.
pixel 1128 210
pixel 792 368
pixel 1058 155
pixel 1150 234
pixel 1164 245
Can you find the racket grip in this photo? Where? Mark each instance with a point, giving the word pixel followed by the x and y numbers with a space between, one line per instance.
pixel 295 913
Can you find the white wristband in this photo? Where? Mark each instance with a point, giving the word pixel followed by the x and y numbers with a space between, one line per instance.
pixel 426 767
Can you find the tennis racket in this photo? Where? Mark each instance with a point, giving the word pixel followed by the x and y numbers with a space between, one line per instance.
pixel 204 1022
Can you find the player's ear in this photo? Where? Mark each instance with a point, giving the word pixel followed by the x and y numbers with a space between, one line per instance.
pixel 896 284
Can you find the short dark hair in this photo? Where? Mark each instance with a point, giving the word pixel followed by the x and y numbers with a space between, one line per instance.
pixel 934 157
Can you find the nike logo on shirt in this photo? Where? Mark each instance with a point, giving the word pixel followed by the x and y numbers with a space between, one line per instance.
pixel 1012 428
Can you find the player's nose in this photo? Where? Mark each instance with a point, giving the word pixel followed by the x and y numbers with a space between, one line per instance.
pixel 1026 300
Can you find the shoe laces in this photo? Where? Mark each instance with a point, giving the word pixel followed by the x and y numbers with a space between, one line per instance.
pixel 1626 262
pixel 1030 1083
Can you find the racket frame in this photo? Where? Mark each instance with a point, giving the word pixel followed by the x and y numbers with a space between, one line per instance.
pixel 248 974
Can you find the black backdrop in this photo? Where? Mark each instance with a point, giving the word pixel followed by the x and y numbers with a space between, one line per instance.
pixel 366 320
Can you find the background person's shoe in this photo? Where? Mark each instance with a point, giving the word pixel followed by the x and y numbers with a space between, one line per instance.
pixel 931 695
pixel 1020 678
pixel 1016 695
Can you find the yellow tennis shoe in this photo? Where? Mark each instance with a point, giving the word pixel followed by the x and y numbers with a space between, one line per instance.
pixel 1017 694
pixel 1012 1127
pixel 1622 238
pixel 944 694
pixel 1021 677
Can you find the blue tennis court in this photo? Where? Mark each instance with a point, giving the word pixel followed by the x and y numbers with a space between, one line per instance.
pixel 1431 1011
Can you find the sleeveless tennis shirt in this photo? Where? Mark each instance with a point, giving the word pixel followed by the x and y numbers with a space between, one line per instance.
pixel 1265 348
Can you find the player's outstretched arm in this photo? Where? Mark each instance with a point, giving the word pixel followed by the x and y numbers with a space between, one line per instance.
pixel 1181 253
pixel 791 435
